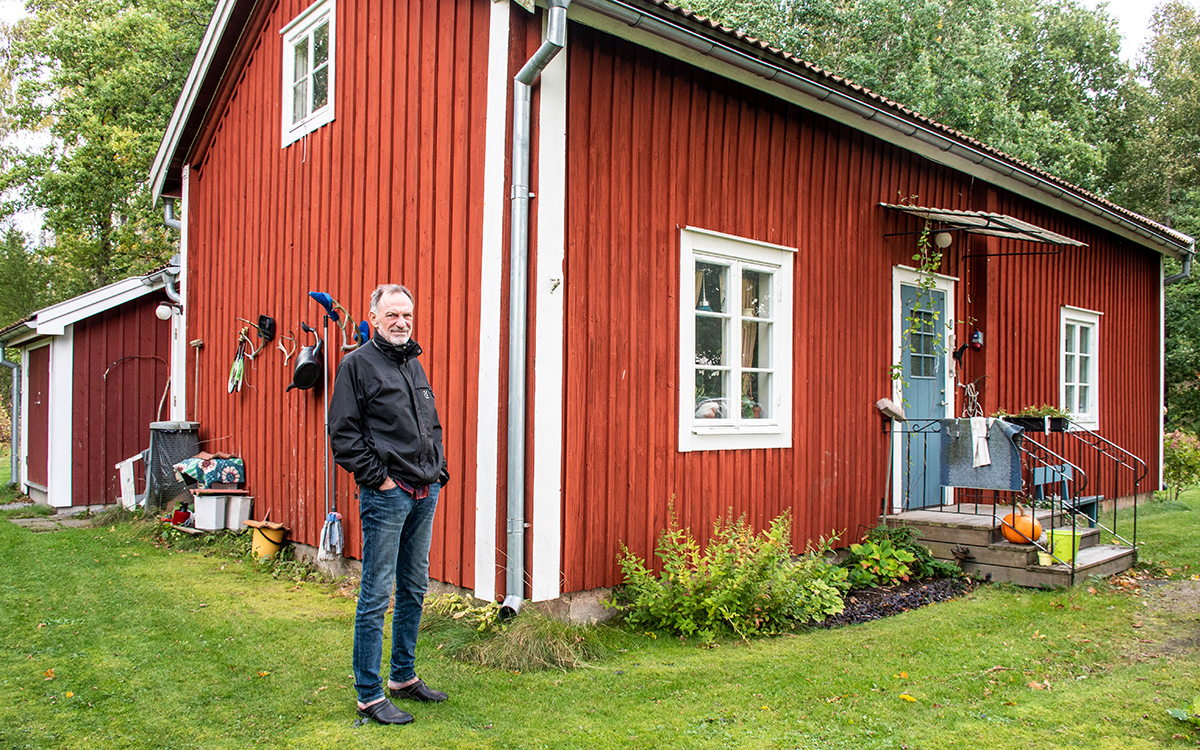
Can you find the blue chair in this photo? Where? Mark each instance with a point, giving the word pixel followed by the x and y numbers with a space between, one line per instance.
pixel 1059 478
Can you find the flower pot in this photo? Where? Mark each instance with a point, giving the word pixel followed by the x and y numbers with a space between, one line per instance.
pixel 1039 424
pixel 1064 543
pixel 1045 558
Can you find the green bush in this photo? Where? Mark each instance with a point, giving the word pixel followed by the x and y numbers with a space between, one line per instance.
pixel 741 582
pixel 1181 462
pixel 890 554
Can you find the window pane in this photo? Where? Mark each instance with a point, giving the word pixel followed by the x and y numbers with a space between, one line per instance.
pixel 300 63
pixel 710 287
pixel 321 45
pixel 320 81
pixel 711 394
pixel 1085 335
pixel 1084 367
pixel 1069 374
pixel 710 340
pixel 1083 399
pixel 756 294
pixel 756 395
pixel 299 102
pixel 1070 394
pixel 756 344
pixel 1069 345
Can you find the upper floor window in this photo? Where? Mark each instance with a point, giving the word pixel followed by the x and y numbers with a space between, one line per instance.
pixel 308 71
pixel 735 335
pixel 1079 364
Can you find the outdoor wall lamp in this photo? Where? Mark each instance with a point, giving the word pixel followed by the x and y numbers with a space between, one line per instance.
pixel 942 240
pixel 164 310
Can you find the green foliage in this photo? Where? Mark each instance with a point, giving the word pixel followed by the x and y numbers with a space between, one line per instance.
pixel 484 617
pixel 24 278
pixel 94 83
pixel 741 582
pixel 1181 462
pixel 1189 713
pixel 1038 79
pixel 923 563
pixel 878 564
pixel 1045 410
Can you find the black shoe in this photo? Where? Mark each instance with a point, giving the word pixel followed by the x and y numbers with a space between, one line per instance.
pixel 385 712
pixel 419 691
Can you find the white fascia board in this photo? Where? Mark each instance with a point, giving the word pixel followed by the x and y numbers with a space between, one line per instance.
pixel 491 265
pixel 919 138
pixel 187 98
pixel 19 336
pixel 53 320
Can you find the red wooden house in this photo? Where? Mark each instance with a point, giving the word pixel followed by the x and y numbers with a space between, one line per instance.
pixel 608 377
pixel 95 371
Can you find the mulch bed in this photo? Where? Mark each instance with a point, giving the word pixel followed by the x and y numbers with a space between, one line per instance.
pixel 865 605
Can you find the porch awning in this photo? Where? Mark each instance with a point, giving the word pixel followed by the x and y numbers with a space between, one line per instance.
pixel 982 222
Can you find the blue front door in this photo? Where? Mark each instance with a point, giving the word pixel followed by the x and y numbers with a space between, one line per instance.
pixel 923 365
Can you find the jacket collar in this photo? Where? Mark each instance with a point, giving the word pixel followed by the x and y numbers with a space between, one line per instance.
pixel 398 354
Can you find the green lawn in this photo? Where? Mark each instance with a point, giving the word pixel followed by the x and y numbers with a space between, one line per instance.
pixel 110 641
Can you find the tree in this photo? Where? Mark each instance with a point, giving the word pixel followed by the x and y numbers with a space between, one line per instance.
pixel 24 279
pixel 101 78
pixel 1038 79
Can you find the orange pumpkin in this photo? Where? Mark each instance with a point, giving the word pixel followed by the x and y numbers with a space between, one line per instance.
pixel 1019 528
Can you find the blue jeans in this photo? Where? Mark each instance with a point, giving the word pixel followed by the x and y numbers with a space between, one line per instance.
pixel 396 533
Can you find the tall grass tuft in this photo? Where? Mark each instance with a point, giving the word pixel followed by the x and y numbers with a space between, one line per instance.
pixel 531 642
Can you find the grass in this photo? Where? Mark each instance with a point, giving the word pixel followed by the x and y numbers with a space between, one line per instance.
pixel 110 641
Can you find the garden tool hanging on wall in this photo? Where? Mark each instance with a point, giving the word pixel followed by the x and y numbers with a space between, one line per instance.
pixel 237 372
pixel 309 361
pixel 266 333
pixel 343 320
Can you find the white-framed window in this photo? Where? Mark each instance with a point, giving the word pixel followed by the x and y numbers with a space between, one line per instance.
pixel 308 71
pixel 735 342
pixel 1079 365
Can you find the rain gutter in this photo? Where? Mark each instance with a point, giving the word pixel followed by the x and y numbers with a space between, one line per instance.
pixel 518 323
pixel 1187 267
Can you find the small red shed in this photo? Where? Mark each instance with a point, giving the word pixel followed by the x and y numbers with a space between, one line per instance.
pixel 95 371
pixel 657 265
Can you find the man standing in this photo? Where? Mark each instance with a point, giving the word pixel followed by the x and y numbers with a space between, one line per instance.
pixel 384 428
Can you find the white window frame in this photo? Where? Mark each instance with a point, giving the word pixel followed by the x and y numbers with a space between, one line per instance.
pixel 1078 317
pixel 697 434
pixel 300 27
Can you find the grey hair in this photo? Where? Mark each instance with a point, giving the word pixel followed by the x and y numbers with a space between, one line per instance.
pixel 383 289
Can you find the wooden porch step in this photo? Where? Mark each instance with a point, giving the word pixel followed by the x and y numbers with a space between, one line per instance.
pixel 1099 560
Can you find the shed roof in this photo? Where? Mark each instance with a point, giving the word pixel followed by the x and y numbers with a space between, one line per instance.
pixel 856 105
pixel 53 320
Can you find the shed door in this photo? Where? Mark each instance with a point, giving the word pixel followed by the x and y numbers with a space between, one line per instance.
pixel 922 360
pixel 38 427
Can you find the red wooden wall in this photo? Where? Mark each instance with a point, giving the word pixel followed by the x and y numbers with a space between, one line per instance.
pixel 121 368
pixel 390 191
pixel 654 144
pixel 37 468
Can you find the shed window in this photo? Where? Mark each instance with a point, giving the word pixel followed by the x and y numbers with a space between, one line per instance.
pixel 1079 365
pixel 735 360
pixel 308 71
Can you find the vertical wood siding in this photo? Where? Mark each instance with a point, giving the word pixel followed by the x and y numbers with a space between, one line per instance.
pixel 112 415
pixel 388 192
pixel 654 145
pixel 37 467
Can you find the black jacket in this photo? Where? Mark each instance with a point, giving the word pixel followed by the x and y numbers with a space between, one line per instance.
pixel 382 418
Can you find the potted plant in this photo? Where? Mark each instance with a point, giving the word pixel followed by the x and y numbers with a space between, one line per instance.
pixel 1044 418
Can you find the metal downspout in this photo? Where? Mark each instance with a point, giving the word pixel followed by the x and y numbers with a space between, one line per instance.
pixel 1187 267
pixel 15 415
pixel 556 39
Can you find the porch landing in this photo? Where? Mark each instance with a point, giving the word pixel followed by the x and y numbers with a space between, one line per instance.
pixel 970 535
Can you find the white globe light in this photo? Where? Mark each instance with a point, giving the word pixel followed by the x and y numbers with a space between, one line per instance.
pixel 163 311
pixel 942 240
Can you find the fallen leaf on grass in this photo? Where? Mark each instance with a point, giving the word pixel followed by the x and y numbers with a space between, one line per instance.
pixel 70 694
pixel 907 697
pixel 49 673
pixel 1137 624
pixel 1037 686
pixel 263 674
